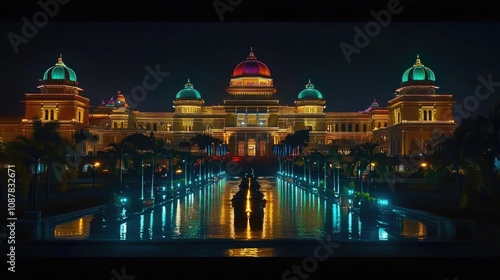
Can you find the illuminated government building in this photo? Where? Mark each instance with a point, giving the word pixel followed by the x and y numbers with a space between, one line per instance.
pixel 250 119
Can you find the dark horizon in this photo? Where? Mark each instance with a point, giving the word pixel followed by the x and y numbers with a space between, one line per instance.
pixel 112 56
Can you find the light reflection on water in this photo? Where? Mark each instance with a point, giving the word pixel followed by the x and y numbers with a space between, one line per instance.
pixel 76 229
pixel 289 212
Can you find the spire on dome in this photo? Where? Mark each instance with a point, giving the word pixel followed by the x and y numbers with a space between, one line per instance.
pixel 418 62
pixel 59 60
pixel 309 84
pixel 251 55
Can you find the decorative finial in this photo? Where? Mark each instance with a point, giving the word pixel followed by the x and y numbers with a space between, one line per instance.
pixel 251 55
pixel 188 84
pixel 309 81
pixel 59 59
pixel 418 62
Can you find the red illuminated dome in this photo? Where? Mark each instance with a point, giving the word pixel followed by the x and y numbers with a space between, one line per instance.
pixel 251 67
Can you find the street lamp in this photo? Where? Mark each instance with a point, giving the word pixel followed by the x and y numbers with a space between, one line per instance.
pixel 94 171
pixel 185 171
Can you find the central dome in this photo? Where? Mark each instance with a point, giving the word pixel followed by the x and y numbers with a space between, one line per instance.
pixel 310 92
pixel 251 67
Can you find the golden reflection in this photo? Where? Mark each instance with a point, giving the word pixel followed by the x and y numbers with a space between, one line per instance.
pixel 76 229
pixel 411 228
pixel 250 252
pixel 248 208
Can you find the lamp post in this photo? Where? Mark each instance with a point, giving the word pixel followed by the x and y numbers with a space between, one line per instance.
pixel 94 171
pixel 185 172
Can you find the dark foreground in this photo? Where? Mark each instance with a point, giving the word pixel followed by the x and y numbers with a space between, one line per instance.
pixel 262 259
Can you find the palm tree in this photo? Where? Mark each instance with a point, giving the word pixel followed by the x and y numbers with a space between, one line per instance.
pixel 298 140
pixel 333 156
pixel 82 135
pixel 156 149
pixel 185 147
pixel 119 151
pixel 366 156
pixel 44 150
pixel 139 144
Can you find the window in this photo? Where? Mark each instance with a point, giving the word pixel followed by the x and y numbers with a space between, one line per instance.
pixel 356 127
pixel 397 116
pixel 426 113
pixel 241 148
pixel 46 115
pixel 364 127
pixel 262 148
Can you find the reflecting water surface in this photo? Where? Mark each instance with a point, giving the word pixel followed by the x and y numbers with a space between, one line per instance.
pixel 76 229
pixel 289 212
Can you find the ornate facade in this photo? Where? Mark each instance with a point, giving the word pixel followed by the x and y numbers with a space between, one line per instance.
pixel 250 119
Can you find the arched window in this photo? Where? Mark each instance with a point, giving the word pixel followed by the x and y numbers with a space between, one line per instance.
pixel 51 115
pixel 425 115
pixel 79 116
pixel 115 125
pixel 148 126
pixel 343 127
pixel 364 127
pixel 154 127
pixel 349 127
pixel 356 127
pixel 46 115
pixel 262 148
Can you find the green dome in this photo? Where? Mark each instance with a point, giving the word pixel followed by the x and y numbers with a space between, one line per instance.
pixel 310 93
pixel 188 92
pixel 418 73
pixel 59 72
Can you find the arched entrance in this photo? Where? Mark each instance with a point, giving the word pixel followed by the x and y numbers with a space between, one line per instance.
pixel 251 147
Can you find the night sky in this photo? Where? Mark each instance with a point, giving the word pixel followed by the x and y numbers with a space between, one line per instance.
pixel 112 55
